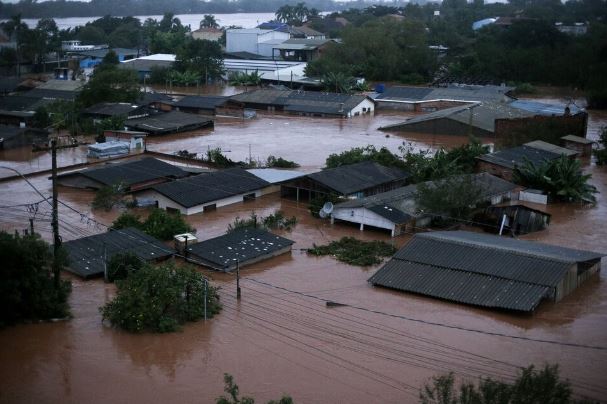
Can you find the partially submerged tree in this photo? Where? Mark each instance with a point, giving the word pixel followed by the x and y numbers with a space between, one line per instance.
pixel 562 179
pixel 161 299
pixel 355 252
pixel 453 198
pixel 275 221
pixel 159 224
pixel 109 196
pixel 27 288
pixel 233 391
pixel 531 386
pixel 120 266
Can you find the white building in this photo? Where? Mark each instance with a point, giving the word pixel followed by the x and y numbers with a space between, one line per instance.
pixel 254 40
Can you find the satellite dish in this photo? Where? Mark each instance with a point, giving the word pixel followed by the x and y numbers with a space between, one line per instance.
pixel 322 214
pixel 328 208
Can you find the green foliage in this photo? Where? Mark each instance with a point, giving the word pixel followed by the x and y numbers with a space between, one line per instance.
pixel 159 224
pixel 355 252
pixel 317 203
pixel 164 226
pixel 231 388
pixel 200 57
pixel 218 159
pixel 425 165
pixel 208 21
pixel 454 196
pixel 127 219
pixel 295 15
pixel 245 79
pixel 160 299
pixel 338 82
pixel 109 196
pixel 531 386
pixel 120 266
pixel 562 179
pixel 110 59
pixel 279 162
pixel 275 221
pixel 110 84
pixel 41 118
pixel 382 156
pixel 27 288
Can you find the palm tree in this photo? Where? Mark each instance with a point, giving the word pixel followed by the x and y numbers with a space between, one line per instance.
pixel 285 13
pixel 301 13
pixel 209 21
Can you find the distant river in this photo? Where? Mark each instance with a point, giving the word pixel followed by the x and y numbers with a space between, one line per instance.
pixel 245 20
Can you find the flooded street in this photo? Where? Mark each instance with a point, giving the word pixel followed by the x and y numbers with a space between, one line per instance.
pixel 281 337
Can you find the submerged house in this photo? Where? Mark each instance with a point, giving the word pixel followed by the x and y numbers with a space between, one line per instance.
pixel 516 219
pixel 486 270
pixel 397 210
pixel 169 122
pixel 135 175
pixel 350 181
pixel 88 256
pixel 199 104
pixel 107 110
pixel 502 163
pixel 306 103
pixel 14 136
pixel 238 248
pixel 207 191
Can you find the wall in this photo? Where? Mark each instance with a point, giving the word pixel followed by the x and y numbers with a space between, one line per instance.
pixel 494 169
pixel 585 150
pixel 515 132
pixel 358 110
pixel 164 202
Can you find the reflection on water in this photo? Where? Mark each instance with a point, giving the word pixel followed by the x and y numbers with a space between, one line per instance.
pixel 275 341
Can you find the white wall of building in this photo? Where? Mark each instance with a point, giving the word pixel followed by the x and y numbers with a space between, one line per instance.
pixel 248 40
pixel 365 107
pixel 164 202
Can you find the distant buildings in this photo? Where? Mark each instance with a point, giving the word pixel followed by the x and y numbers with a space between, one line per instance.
pixel 575 29
pixel 254 40
pixel 208 34
pixel 166 123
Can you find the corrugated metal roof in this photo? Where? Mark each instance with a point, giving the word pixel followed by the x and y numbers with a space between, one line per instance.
pixel 541 108
pixel 241 245
pixel 111 109
pixel 390 213
pixel 86 255
pixel 577 139
pixel 131 172
pixel 458 286
pixel 358 177
pixel 540 144
pixel 531 248
pixel 199 101
pixel 275 175
pixel 517 156
pixel 209 187
pixel 479 269
pixel 486 260
pixel 170 122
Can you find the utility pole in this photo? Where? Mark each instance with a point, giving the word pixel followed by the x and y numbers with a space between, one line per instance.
pixel 55 217
pixel 206 285
pixel 106 277
pixel 238 279
pixel 31 226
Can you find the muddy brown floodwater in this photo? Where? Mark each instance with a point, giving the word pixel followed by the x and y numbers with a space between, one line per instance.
pixel 280 337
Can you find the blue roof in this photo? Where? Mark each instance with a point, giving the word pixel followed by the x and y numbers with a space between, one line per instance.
pixel 543 108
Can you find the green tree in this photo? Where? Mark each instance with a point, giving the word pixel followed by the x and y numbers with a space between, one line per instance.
pixel 127 219
pixel 160 299
pixel 208 21
pixel 110 85
pixel 27 289
pixel 109 196
pixel 164 226
pixel 531 386
pixel 355 252
pixel 201 57
pixel 563 179
pixel 338 82
pixel 120 266
pixel 382 156
pixel 454 196
pixel 231 388
pixel 41 118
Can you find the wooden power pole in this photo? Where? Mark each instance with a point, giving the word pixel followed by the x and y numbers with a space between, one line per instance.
pixel 55 217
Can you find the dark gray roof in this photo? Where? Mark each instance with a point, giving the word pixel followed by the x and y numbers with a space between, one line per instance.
pixel 86 255
pixel 462 287
pixel 170 122
pixel 391 213
pixel 111 109
pixel 202 102
pixel 148 98
pixel 479 269
pixel 358 177
pixel 9 132
pixel 480 115
pixel 517 156
pixel 209 187
pixel 261 96
pixel 405 93
pixel 131 172
pixel 577 139
pixel 21 103
pixel 241 245
pixel 51 94
pixel 9 83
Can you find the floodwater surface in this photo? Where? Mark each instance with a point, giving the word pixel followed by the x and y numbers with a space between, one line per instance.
pixel 281 337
